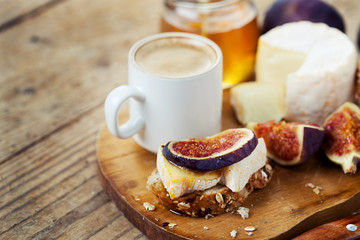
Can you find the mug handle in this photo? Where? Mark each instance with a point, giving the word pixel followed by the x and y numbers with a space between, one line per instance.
pixel 112 105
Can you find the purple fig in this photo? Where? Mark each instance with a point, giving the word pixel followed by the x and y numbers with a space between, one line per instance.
pixel 358 39
pixel 289 143
pixel 284 11
pixel 342 137
pixel 211 153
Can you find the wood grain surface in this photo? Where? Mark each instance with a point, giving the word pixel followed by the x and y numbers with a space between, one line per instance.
pixel 58 61
pixel 282 210
pixel 340 229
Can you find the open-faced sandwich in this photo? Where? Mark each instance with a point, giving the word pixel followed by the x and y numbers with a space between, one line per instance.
pixel 210 176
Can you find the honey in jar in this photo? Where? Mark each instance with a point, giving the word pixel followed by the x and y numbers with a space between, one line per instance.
pixel 231 24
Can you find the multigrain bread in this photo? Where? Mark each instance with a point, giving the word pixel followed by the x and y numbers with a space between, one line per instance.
pixel 213 201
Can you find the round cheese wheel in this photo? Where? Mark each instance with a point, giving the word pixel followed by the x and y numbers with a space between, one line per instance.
pixel 314 62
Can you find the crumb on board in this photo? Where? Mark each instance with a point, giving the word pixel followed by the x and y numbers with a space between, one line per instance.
pixel 148 206
pixel 244 212
pixel 171 225
pixel 315 189
pixel 206 227
pixel 233 233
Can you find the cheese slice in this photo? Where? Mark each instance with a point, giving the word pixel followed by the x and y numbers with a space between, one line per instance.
pixel 237 175
pixel 315 63
pixel 258 102
pixel 179 181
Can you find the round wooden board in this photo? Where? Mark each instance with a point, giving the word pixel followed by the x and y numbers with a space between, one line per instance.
pixel 284 209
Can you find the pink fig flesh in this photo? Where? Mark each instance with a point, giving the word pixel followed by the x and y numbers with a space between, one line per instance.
pixel 211 153
pixel 342 137
pixel 289 143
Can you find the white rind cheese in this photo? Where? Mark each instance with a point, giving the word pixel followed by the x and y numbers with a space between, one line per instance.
pixel 179 181
pixel 237 175
pixel 258 102
pixel 316 65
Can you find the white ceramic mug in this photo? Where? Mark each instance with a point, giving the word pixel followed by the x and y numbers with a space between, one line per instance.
pixel 170 98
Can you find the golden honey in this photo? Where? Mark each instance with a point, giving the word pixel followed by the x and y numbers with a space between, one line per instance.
pixel 231 24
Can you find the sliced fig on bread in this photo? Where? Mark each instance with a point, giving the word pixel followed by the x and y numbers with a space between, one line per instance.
pixel 289 143
pixel 342 137
pixel 179 181
pixel 212 153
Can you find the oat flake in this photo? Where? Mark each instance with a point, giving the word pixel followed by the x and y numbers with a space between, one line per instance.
pixel 249 229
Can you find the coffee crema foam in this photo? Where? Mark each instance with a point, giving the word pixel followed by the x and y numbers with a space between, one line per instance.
pixel 175 57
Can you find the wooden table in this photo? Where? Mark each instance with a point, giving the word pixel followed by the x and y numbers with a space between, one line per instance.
pixel 58 61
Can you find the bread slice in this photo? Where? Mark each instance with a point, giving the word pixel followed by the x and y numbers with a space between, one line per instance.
pixel 213 201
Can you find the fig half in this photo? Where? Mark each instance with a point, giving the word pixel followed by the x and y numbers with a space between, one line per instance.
pixel 289 143
pixel 211 153
pixel 342 137
pixel 358 39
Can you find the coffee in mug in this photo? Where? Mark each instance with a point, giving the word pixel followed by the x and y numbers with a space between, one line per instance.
pixel 175 57
pixel 174 90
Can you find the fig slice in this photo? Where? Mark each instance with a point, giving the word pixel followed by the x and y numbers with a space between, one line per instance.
pixel 211 153
pixel 289 143
pixel 342 137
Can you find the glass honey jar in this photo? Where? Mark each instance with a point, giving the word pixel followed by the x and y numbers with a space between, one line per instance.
pixel 232 24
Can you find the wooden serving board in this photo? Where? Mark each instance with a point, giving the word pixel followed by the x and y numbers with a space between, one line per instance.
pixel 282 210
